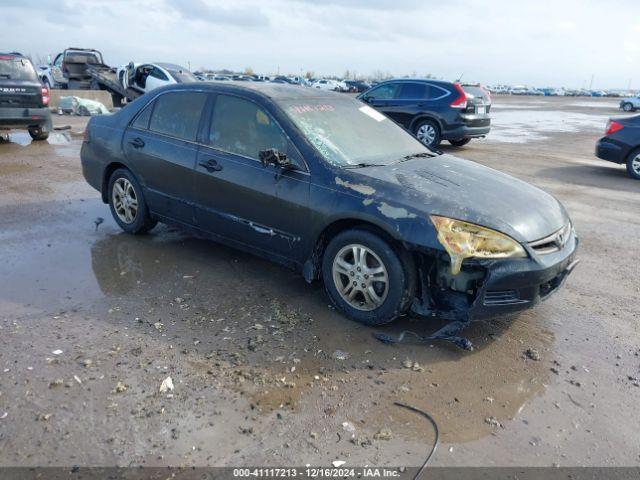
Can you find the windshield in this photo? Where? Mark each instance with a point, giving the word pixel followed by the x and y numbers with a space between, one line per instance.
pixel 347 132
pixel 16 68
pixel 182 76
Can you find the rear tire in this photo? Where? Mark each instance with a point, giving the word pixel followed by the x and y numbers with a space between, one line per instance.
pixel 378 261
pixel 428 132
pixel 628 107
pixel 123 193
pixel 460 143
pixel 633 164
pixel 37 133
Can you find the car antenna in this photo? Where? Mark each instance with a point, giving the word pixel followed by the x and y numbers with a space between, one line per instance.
pixel 460 77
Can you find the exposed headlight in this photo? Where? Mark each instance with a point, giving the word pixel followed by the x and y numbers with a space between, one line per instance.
pixel 465 240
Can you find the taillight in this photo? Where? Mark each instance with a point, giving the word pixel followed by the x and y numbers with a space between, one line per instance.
pixel 613 127
pixel 46 96
pixel 461 101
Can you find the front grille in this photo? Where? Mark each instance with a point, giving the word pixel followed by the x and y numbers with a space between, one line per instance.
pixel 502 297
pixel 553 243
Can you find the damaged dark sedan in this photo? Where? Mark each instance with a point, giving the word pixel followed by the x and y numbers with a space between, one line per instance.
pixel 327 185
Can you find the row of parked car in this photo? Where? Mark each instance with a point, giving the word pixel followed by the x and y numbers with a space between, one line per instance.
pixel 554 92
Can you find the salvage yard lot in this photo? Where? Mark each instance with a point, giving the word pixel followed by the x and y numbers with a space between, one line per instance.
pixel 265 373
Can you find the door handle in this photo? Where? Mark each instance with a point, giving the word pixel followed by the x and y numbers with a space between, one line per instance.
pixel 137 142
pixel 211 165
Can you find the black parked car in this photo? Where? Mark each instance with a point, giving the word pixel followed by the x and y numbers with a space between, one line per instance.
pixel 621 143
pixel 23 99
pixel 327 185
pixel 357 86
pixel 432 110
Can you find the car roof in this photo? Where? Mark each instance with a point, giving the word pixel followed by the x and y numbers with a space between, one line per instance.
pixel 275 91
pixel 13 54
pixel 414 80
pixel 169 66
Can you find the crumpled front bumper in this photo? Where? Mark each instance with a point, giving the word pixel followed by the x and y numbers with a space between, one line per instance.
pixel 518 284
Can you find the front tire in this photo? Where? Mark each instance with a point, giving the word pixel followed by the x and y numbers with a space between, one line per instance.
pixel 428 132
pixel 460 143
pixel 627 107
pixel 127 203
pixel 633 164
pixel 37 133
pixel 366 279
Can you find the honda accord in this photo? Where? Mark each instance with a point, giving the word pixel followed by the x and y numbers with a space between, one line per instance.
pixel 329 186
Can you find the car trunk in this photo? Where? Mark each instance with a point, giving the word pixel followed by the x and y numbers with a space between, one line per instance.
pixel 476 114
pixel 17 95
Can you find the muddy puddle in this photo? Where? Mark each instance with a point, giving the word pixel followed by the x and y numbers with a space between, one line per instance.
pixel 24 139
pixel 260 331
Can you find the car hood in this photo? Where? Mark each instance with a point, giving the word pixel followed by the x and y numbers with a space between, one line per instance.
pixel 449 186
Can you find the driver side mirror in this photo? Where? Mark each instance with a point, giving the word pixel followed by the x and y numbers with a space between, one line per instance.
pixel 276 158
pixel 368 98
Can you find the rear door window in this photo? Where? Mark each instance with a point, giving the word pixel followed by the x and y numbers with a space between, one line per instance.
pixel 16 68
pixel 177 114
pixel 413 91
pixel 240 126
pixel 142 120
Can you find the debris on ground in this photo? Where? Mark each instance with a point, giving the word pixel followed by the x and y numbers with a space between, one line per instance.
pixel 532 354
pixel 338 463
pixel 82 106
pixel 254 342
pixel 57 352
pixel 120 387
pixel 44 417
pixel 348 427
pixel 4 415
pixel 383 434
pixel 98 221
pixel 493 421
pixel 166 385
pixel 415 366
pixel 340 355
pixel 56 383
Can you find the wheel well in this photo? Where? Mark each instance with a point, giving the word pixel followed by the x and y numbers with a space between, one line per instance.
pixel 422 118
pixel 112 167
pixel 333 229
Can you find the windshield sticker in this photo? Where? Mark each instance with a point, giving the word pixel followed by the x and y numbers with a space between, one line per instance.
pixel 301 109
pixel 376 115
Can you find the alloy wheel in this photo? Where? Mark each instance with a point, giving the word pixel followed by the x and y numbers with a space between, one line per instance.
pixel 360 277
pixel 426 133
pixel 635 164
pixel 125 201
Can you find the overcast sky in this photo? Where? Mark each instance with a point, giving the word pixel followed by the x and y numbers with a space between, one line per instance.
pixel 541 43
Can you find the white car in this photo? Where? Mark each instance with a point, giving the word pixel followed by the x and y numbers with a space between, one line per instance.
pixel 145 77
pixel 333 85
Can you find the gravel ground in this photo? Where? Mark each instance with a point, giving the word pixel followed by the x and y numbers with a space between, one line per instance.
pixel 93 321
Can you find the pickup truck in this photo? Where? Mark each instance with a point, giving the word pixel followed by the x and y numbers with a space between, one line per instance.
pixel 69 68
pixel 23 99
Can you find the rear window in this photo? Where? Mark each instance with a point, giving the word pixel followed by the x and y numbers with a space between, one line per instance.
pixel 16 68
pixel 475 91
pixel 178 114
pixel 413 91
pixel 82 57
